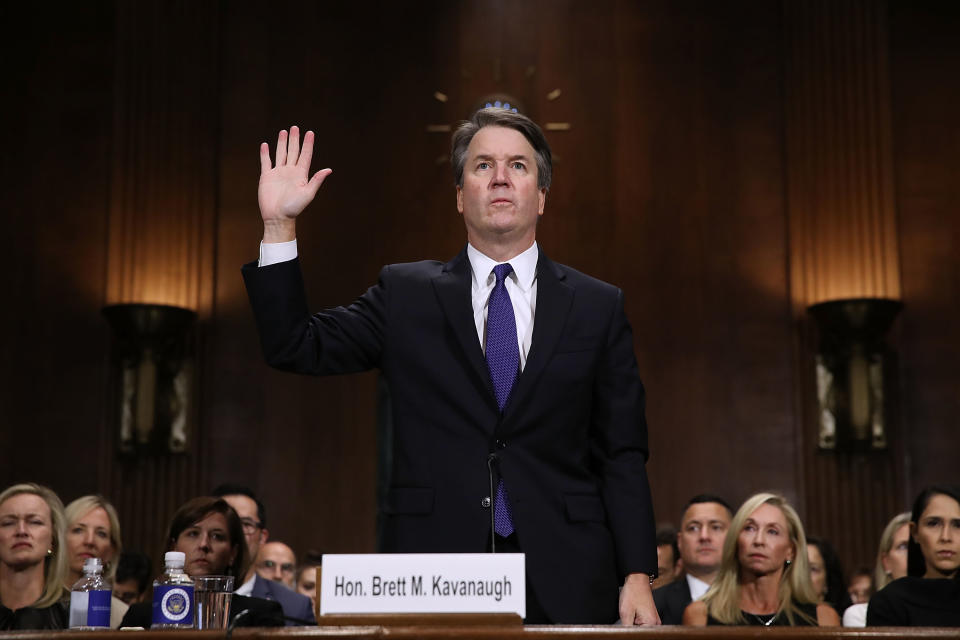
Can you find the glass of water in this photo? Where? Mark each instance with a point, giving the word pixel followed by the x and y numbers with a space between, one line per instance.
pixel 212 595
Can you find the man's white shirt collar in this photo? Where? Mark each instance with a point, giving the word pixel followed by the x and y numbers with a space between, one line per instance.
pixel 524 267
pixel 246 589
pixel 697 587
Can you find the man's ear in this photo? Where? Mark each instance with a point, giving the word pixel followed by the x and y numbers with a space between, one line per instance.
pixel 460 199
pixel 264 535
pixel 542 198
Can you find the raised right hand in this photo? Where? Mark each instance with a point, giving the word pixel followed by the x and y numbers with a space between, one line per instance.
pixel 285 189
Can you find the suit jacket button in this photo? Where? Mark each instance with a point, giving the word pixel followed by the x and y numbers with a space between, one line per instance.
pixel 485 503
pixel 501 444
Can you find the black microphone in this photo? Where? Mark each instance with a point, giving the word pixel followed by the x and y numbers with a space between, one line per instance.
pixel 274 617
pixel 492 460
pixel 234 620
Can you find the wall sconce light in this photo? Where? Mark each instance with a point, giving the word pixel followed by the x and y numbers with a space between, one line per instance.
pixel 851 367
pixel 154 354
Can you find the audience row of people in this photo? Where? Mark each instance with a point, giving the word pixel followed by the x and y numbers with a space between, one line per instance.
pixel 757 567
pixel 752 567
pixel 43 546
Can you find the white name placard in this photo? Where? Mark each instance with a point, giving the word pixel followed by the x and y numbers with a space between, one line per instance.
pixel 423 583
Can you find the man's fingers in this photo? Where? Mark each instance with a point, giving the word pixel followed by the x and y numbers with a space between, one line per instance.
pixel 293 147
pixel 281 149
pixel 306 154
pixel 264 157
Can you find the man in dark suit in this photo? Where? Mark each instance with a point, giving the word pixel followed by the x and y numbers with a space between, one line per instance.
pixel 297 608
pixel 517 407
pixel 703 528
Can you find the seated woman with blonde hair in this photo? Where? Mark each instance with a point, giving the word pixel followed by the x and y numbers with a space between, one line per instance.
pixel 93 531
pixel 891 564
pixel 32 564
pixel 764 576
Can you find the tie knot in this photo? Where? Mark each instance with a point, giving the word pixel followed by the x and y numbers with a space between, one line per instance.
pixel 501 271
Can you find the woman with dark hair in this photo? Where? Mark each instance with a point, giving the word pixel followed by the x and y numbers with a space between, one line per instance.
pixel 209 533
pixel 826 574
pixel 930 593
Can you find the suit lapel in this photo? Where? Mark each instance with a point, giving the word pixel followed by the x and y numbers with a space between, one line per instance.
pixel 453 288
pixel 554 298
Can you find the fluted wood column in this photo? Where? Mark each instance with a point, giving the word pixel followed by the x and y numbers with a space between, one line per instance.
pixel 843 237
pixel 161 220
pixel 843 231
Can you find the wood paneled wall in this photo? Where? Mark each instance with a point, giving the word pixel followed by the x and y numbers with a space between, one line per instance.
pixel 843 239
pixel 692 174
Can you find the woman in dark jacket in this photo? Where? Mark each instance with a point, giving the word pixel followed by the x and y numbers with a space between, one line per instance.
pixel 930 594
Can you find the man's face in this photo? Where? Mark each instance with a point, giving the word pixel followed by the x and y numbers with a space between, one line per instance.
pixel 253 530
pixel 499 198
pixel 277 562
pixel 701 536
pixel 128 591
pixel 666 566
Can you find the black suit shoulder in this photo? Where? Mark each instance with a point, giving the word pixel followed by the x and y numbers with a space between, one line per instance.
pixel 671 600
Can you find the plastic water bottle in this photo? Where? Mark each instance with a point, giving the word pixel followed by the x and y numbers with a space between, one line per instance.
pixel 90 598
pixel 173 595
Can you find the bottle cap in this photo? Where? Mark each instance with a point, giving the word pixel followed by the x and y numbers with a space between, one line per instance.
pixel 92 565
pixel 174 559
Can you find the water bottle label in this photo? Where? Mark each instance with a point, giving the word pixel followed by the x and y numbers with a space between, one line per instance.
pixel 78 608
pixel 90 608
pixel 98 608
pixel 173 604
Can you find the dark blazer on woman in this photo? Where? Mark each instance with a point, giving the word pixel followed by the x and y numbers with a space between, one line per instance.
pixel 916 602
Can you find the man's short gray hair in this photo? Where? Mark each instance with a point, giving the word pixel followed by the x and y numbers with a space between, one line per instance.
pixel 497 117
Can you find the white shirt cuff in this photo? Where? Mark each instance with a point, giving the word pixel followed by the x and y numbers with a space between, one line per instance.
pixel 274 252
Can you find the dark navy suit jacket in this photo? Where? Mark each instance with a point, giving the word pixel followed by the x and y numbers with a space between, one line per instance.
pixel 571 443
pixel 295 605
pixel 671 600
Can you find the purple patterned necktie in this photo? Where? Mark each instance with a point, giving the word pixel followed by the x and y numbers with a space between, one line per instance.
pixel 503 361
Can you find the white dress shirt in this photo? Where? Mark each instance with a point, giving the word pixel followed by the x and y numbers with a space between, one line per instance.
pixel 246 589
pixel 521 285
pixel 697 587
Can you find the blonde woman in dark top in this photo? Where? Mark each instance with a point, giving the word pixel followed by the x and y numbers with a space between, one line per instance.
pixel 32 562
pixel 764 576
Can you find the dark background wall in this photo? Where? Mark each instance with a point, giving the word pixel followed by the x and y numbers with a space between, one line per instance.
pixel 670 182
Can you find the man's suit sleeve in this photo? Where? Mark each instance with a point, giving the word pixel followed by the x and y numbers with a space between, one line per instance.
pixel 308 613
pixel 620 436
pixel 339 340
